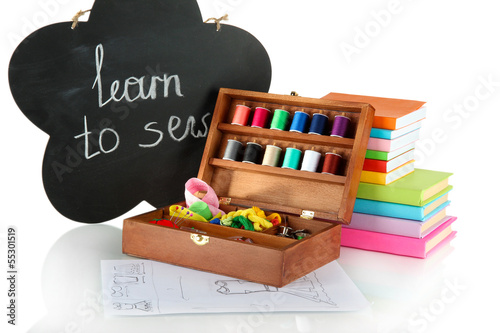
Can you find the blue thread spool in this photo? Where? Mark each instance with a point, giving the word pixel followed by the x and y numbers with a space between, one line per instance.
pixel 299 122
pixel 292 158
pixel 318 124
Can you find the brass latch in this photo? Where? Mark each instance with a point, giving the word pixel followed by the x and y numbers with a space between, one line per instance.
pixel 200 239
pixel 224 201
pixel 307 214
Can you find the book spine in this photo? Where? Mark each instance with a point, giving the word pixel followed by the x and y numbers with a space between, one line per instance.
pixel 388 225
pixel 379 242
pixel 393 244
pixel 375 165
pixel 388 209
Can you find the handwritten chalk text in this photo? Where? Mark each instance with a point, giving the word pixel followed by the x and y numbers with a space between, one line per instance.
pixel 93 147
pixel 138 84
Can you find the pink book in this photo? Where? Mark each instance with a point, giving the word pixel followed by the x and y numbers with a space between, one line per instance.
pixel 400 245
pixel 391 145
pixel 398 226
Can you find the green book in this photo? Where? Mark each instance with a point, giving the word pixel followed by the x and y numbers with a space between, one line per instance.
pixel 417 189
pixel 386 156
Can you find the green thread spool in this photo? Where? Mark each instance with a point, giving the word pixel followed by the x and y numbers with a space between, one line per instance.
pixel 280 119
pixel 292 158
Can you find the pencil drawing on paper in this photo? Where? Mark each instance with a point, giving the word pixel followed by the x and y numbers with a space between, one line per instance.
pixel 308 287
pixel 125 278
pixel 145 305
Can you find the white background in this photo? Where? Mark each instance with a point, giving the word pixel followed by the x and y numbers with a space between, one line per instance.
pixel 444 52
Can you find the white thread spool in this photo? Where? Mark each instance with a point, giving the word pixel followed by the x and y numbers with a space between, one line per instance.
pixel 311 161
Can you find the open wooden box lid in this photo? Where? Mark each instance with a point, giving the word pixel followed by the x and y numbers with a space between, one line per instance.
pixel 308 194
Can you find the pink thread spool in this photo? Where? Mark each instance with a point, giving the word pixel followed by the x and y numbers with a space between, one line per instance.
pixel 241 115
pixel 260 117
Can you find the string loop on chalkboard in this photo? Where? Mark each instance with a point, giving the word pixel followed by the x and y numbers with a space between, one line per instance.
pixel 77 16
pixel 217 20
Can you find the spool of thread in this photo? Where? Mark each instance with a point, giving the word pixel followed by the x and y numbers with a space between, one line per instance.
pixel 332 163
pixel 252 152
pixel 241 115
pixel 260 117
pixel 233 150
pixel 292 158
pixel 318 123
pixel 299 122
pixel 280 119
pixel 340 126
pixel 311 161
pixel 271 156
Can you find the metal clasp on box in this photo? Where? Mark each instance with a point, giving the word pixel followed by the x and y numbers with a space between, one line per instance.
pixel 307 214
pixel 200 239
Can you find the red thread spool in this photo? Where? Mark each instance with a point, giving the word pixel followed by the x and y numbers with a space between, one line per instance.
pixel 332 164
pixel 260 117
pixel 241 115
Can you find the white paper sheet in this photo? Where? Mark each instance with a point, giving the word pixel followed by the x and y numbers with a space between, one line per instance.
pixel 143 287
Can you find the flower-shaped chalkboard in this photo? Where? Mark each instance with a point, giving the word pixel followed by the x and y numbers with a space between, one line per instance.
pixel 127 99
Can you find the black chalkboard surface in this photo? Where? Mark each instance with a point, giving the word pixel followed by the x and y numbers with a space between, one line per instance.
pixel 127 99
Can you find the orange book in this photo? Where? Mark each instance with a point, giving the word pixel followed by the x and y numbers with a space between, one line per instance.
pixel 390 113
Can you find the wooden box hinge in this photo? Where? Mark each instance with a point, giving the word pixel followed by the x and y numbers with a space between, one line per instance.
pixel 307 214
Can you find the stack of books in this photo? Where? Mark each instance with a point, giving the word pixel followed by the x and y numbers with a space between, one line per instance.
pixel 407 217
pixel 399 209
pixel 391 147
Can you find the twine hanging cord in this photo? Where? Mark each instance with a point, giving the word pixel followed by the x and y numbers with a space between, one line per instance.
pixel 77 16
pixel 82 12
pixel 217 20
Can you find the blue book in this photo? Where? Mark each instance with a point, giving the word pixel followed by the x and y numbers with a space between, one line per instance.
pixel 381 133
pixel 390 209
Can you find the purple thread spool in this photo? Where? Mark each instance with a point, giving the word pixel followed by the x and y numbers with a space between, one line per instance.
pixel 340 126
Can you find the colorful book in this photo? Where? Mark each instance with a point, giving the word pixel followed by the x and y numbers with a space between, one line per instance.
pixel 397 226
pixel 388 166
pixel 385 178
pixel 391 209
pixel 386 156
pixel 399 245
pixel 393 134
pixel 417 189
pixel 394 144
pixel 390 113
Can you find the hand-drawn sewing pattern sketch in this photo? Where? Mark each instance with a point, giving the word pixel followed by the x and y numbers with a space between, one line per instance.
pixel 308 287
pixel 145 305
pixel 127 285
pixel 143 287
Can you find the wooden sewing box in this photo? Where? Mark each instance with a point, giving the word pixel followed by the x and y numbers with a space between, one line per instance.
pixel 319 203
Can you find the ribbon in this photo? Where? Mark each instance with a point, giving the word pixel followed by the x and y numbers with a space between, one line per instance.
pixel 194 185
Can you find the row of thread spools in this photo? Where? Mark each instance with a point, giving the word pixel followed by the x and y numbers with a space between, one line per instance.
pixel 293 159
pixel 280 120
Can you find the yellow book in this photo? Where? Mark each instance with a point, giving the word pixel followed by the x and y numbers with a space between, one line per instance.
pixel 383 178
